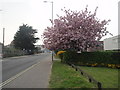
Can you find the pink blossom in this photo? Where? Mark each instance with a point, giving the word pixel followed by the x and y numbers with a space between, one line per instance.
pixel 75 29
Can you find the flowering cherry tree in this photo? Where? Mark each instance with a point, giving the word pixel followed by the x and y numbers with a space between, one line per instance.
pixel 75 31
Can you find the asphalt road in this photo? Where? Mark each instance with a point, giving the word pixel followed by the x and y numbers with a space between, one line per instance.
pixel 14 65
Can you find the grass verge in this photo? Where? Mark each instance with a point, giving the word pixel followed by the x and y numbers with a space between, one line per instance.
pixel 107 76
pixel 63 76
pixel 56 57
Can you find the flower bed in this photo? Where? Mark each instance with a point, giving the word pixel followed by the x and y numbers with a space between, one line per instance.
pixel 94 59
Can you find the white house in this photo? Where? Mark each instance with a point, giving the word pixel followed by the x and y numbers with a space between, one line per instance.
pixel 112 43
pixel 42 49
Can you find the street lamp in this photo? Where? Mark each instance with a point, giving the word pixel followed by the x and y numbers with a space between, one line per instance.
pixel 52 9
pixel 52 17
pixel 3 40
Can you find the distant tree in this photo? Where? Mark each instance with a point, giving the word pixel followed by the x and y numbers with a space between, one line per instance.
pixel 75 31
pixel 25 39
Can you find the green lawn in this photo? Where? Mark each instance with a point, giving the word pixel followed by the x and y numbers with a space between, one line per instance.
pixel 63 76
pixel 107 76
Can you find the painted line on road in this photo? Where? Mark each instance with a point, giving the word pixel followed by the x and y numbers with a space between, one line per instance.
pixel 16 76
pixel 19 56
pixel 1 60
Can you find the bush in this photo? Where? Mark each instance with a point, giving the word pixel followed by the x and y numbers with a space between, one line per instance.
pixel 70 56
pixel 105 58
pixel 60 55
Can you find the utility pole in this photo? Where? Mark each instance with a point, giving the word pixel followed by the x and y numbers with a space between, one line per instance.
pixel 52 26
pixel 52 19
pixel 3 42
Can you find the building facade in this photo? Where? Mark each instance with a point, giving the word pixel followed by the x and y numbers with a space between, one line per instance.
pixel 42 49
pixel 112 43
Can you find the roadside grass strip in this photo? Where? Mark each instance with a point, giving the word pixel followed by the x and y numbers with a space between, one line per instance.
pixel 17 75
pixel 63 76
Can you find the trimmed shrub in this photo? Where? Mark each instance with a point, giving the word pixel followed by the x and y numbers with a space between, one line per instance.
pixel 70 56
pixel 93 58
pixel 60 55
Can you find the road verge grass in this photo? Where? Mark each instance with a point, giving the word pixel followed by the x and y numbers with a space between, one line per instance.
pixel 63 76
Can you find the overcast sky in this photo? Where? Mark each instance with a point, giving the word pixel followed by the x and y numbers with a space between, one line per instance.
pixel 36 13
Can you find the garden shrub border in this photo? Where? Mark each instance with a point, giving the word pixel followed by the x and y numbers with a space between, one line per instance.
pixel 104 58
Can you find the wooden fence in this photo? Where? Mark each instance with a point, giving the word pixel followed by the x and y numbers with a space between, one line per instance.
pixel 90 78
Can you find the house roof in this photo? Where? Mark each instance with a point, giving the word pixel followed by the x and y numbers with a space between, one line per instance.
pixel 0 43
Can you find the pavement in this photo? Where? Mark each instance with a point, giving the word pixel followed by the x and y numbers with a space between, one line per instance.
pixel 36 76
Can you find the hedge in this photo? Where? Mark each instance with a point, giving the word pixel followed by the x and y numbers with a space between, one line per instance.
pixel 89 58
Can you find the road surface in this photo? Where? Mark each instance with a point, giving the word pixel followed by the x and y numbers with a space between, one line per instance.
pixel 14 65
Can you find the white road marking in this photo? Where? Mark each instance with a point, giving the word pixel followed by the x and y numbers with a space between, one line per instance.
pixel 1 60
pixel 16 76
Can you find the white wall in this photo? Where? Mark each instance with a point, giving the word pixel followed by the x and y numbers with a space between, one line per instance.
pixel 112 43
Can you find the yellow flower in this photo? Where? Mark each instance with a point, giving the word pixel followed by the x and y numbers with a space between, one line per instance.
pixel 109 65
pixel 60 52
pixel 113 65
pixel 118 66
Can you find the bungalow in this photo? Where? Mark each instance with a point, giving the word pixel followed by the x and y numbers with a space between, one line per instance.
pixel 112 43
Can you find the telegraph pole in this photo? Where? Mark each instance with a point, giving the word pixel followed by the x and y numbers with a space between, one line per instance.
pixel 52 26
pixel 52 19
pixel 3 42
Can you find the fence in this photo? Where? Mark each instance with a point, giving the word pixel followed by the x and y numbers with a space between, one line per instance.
pixel 90 78
pixel 12 52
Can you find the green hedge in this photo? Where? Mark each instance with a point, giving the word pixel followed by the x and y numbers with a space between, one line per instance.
pixel 70 56
pixel 111 57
